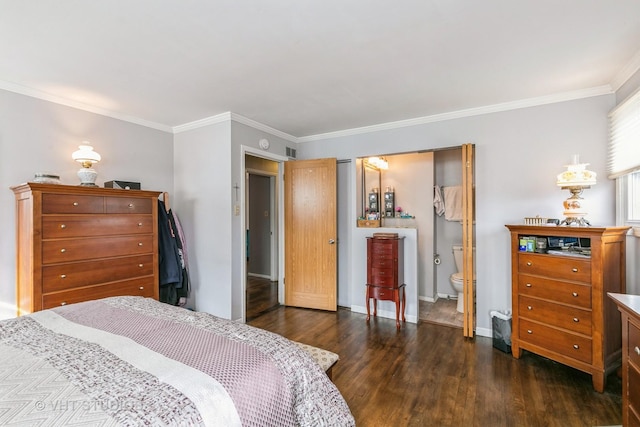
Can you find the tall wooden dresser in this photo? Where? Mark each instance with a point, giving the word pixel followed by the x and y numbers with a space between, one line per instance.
pixel 385 273
pixel 78 243
pixel 559 301
pixel 629 306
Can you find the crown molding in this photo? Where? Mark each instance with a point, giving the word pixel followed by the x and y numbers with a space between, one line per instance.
pixel 259 126
pixel 495 108
pixel 236 118
pixel 34 93
pixel 632 67
pixel 626 72
pixel 219 118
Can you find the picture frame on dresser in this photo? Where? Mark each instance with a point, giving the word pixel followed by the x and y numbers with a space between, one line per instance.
pixel 559 299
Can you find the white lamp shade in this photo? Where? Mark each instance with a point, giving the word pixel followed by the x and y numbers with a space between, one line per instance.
pixel 85 154
pixel 576 175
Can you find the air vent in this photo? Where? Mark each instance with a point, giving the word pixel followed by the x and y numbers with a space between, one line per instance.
pixel 291 152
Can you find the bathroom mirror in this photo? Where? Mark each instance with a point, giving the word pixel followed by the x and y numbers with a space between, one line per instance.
pixel 371 179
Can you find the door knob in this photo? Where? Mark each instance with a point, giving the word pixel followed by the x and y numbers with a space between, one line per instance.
pixel 332 241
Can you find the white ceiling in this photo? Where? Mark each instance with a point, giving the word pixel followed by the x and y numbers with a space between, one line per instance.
pixel 308 67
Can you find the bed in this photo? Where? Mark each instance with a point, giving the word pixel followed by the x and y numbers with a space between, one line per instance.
pixel 136 361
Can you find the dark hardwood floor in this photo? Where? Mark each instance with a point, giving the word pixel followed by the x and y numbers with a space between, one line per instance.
pixel 429 375
pixel 261 296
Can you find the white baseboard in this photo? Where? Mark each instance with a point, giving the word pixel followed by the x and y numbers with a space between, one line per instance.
pixel 383 313
pixel 484 332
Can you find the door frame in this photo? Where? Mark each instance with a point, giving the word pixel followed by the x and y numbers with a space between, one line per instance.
pixel 241 202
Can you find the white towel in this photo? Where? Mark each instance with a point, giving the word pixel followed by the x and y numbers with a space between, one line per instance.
pixel 438 203
pixel 453 203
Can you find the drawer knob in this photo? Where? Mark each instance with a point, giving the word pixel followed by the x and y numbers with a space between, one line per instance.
pixel 63 225
pixel 529 331
pixel 528 285
pixel 75 203
pixel 529 263
pixel 139 224
pixel 575 270
pixel 575 319
pixel 140 244
pixel 63 276
pixel 576 346
pixel 63 303
pixel 142 288
pixel 529 307
pixel 140 265
pixel 637 350
pixel 575 294
pixel 63 250
pixel 130 205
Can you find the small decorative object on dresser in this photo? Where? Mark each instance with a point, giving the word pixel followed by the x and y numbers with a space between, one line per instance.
pixel 79 243
pixel 559 303
pixel 385 272
pixel 629 306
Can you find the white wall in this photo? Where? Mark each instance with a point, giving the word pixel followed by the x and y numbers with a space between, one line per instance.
pixel 39 136
pixel 203 204
pixel 518 155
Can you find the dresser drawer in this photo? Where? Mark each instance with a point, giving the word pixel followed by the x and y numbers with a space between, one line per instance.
pixel 634 419
pixel 383 277
pixel 382 249
pixel 381 293
pixel 634 345
pixel 573 319
pixel 565 343
pixel 555 267
pixel 67 250
pixel 137 287
pixel 71 204
pixel 555 290
pixel 634 391
pixel 128 205
pixel 380 262
pixel 64 226
pixel 59 277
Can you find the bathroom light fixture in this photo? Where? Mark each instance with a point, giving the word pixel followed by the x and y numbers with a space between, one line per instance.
pixel 378 162
pixel 87 157
pixel 575 179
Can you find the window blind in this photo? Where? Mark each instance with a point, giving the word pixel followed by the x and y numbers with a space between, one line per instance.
pixel 624 138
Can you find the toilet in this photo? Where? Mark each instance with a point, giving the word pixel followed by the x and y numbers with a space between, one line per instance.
pixel 456 279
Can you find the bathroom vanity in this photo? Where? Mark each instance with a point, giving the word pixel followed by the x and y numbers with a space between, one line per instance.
pixel 559 295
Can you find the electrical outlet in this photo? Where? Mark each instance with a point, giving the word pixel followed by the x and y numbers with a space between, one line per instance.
pixel 236 210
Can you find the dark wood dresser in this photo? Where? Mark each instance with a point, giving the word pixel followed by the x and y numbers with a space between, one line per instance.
pixel 559 301
pixel 385 273
pixel 79 243
pixel 629 306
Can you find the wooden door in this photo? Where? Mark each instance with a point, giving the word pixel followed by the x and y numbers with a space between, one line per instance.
pixel 310 234
pixel 468 215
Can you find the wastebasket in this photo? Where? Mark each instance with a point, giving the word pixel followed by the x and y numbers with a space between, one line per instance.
pixel 501 326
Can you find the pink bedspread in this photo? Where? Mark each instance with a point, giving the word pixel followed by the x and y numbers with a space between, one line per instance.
pixel 135 361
